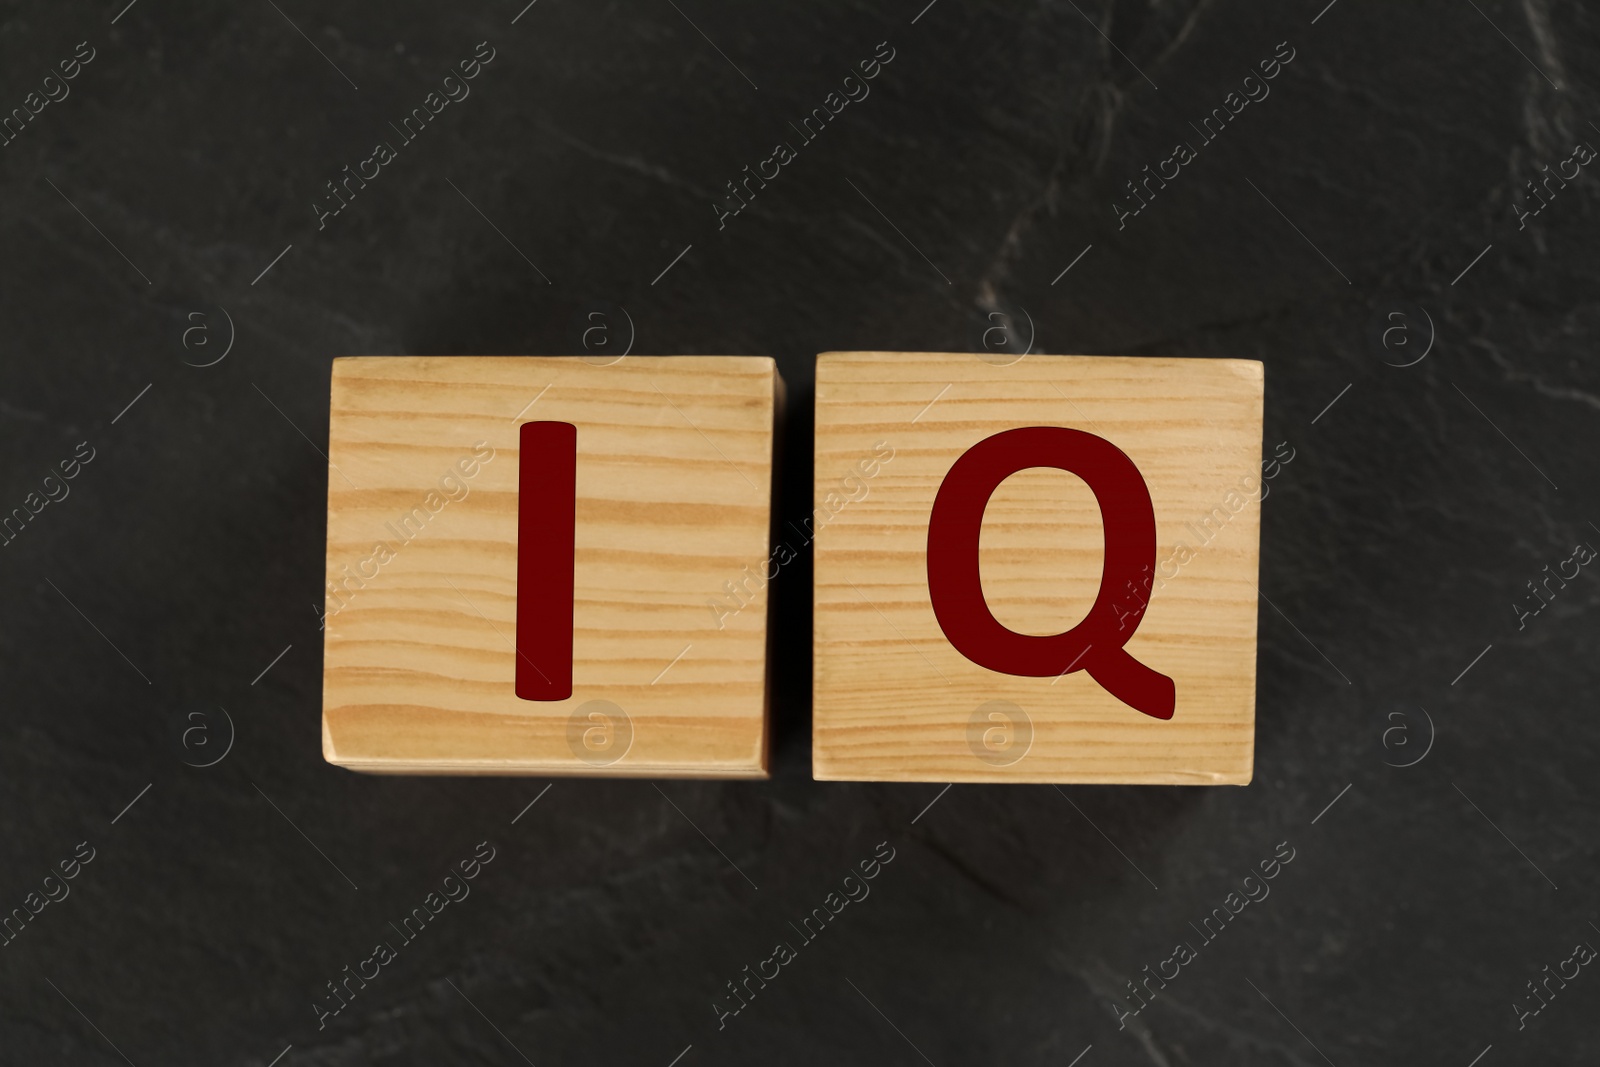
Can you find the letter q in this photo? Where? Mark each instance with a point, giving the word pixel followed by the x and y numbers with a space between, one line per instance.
pixel 955 585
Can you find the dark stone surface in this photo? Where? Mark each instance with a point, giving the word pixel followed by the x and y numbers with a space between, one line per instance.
pixel 188 553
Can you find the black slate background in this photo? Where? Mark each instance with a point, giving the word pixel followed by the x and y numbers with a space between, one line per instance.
pixel 189 551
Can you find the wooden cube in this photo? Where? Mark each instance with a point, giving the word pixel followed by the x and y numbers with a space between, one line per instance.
pixel 592 537
pixel 966 515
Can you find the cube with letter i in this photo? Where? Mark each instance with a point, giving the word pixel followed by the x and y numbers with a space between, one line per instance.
pixel 1050 575
pixel 530 561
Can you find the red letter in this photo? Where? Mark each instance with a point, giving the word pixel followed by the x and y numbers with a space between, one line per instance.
pixel 546 522
pixel 955 586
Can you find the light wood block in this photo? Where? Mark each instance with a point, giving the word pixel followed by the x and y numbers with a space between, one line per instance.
pixel 895 700
pixel 672 501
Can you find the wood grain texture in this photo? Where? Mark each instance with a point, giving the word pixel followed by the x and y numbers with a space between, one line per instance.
pixel 674 496
pixel 893 700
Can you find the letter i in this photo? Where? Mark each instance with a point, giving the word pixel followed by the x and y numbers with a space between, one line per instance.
pixel 546 542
